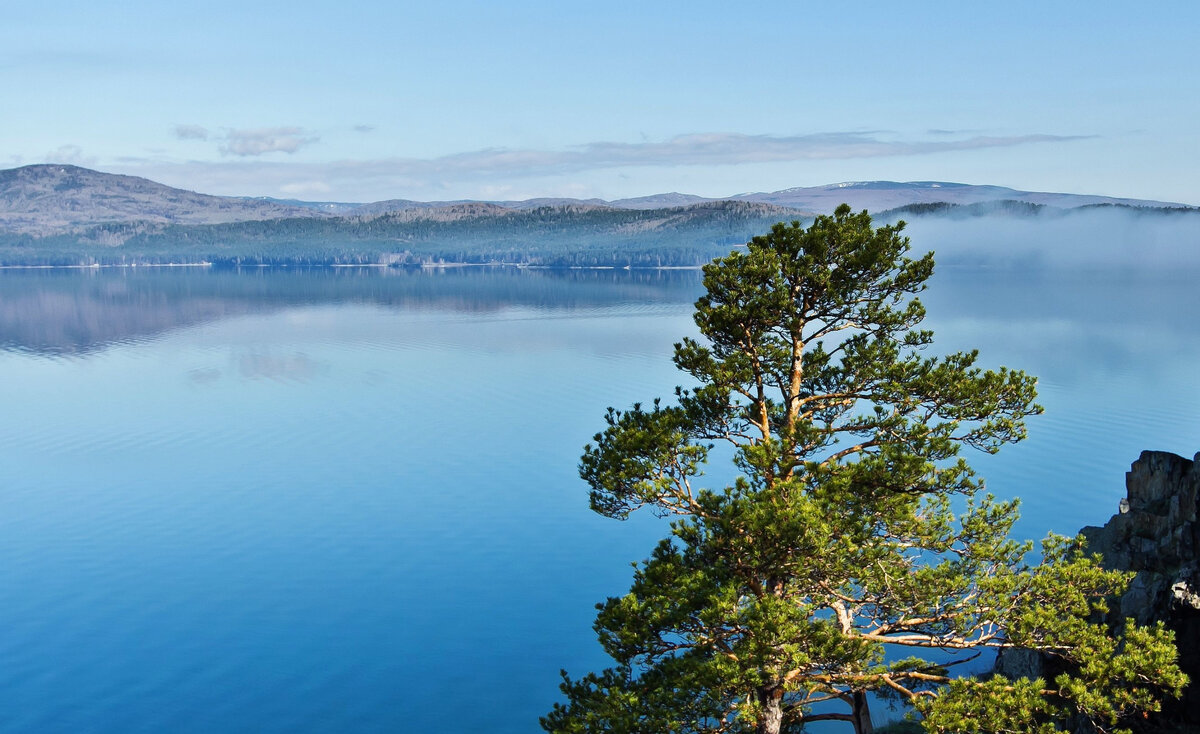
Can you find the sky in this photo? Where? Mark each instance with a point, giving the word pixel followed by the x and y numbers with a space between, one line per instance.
pixel 364 101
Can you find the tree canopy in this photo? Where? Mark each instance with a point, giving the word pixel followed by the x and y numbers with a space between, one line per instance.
pixel 855 546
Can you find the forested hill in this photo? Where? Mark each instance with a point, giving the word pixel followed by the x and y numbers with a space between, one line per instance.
pixel 570 235
pixel 66 215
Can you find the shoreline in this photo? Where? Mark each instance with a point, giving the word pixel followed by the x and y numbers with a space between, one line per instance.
pixel 97 266
pixel 382 266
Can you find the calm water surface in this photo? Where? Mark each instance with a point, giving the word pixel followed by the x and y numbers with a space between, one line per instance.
pixel 346 500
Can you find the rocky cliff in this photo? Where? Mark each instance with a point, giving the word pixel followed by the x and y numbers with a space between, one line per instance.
pixel 1156 534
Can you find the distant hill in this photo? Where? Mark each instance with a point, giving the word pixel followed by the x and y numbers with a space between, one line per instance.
pixel 46 200
pixel 560 236
pixel 52 199
pixel 65 215
pixel 659 201
pixel 325 207
pixel 450 209
pixel 396 205
pixel 880 195
pixel 1010 209
pixel 551 201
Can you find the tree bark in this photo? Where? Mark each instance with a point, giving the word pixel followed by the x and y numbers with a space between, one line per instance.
pixel 771 719
pixel 861 713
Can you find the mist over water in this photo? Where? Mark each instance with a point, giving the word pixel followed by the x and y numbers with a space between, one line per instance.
pixel 337 500
pixel 1105 241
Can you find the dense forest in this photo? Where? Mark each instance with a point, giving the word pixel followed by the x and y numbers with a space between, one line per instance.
pixel 570 236
pixel 550 236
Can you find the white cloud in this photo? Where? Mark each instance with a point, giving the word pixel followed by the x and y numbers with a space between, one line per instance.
pixel 70 155
pixel 502 167
pixel 191 132
pixel 702 149
pixel 258 141
pixel 735 148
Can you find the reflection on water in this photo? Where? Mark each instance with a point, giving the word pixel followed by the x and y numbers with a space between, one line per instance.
pixel 72 311
pixel 1060 325
pixel 290 500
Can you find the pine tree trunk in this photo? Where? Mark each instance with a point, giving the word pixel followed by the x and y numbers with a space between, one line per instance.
pixel 771 719
pixel 861 713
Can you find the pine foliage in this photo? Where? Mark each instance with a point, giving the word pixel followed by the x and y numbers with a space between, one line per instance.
pixel 856 544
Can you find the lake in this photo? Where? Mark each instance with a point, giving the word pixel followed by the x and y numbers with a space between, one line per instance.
pixel 281 500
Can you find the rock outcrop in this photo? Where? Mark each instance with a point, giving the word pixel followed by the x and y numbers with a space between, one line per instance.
pixel 1156 535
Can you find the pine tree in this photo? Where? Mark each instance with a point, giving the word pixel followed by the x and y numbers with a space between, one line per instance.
pixel 856 545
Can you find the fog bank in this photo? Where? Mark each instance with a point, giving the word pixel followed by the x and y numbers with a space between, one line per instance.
pixel 1082 240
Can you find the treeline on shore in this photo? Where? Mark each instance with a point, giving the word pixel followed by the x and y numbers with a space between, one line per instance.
pixel 562 237
pixel 571 236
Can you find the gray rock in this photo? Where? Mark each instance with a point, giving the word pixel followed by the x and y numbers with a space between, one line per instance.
pixel 1019 663
pixel 1156 534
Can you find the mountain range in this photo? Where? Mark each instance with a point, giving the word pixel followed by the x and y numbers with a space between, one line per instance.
pixel 41 200
pixel 66 215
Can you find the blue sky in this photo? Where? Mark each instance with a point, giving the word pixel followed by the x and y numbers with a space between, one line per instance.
pixel 364 101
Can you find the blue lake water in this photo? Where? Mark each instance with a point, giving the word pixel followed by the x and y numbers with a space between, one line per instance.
pixel 346 500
